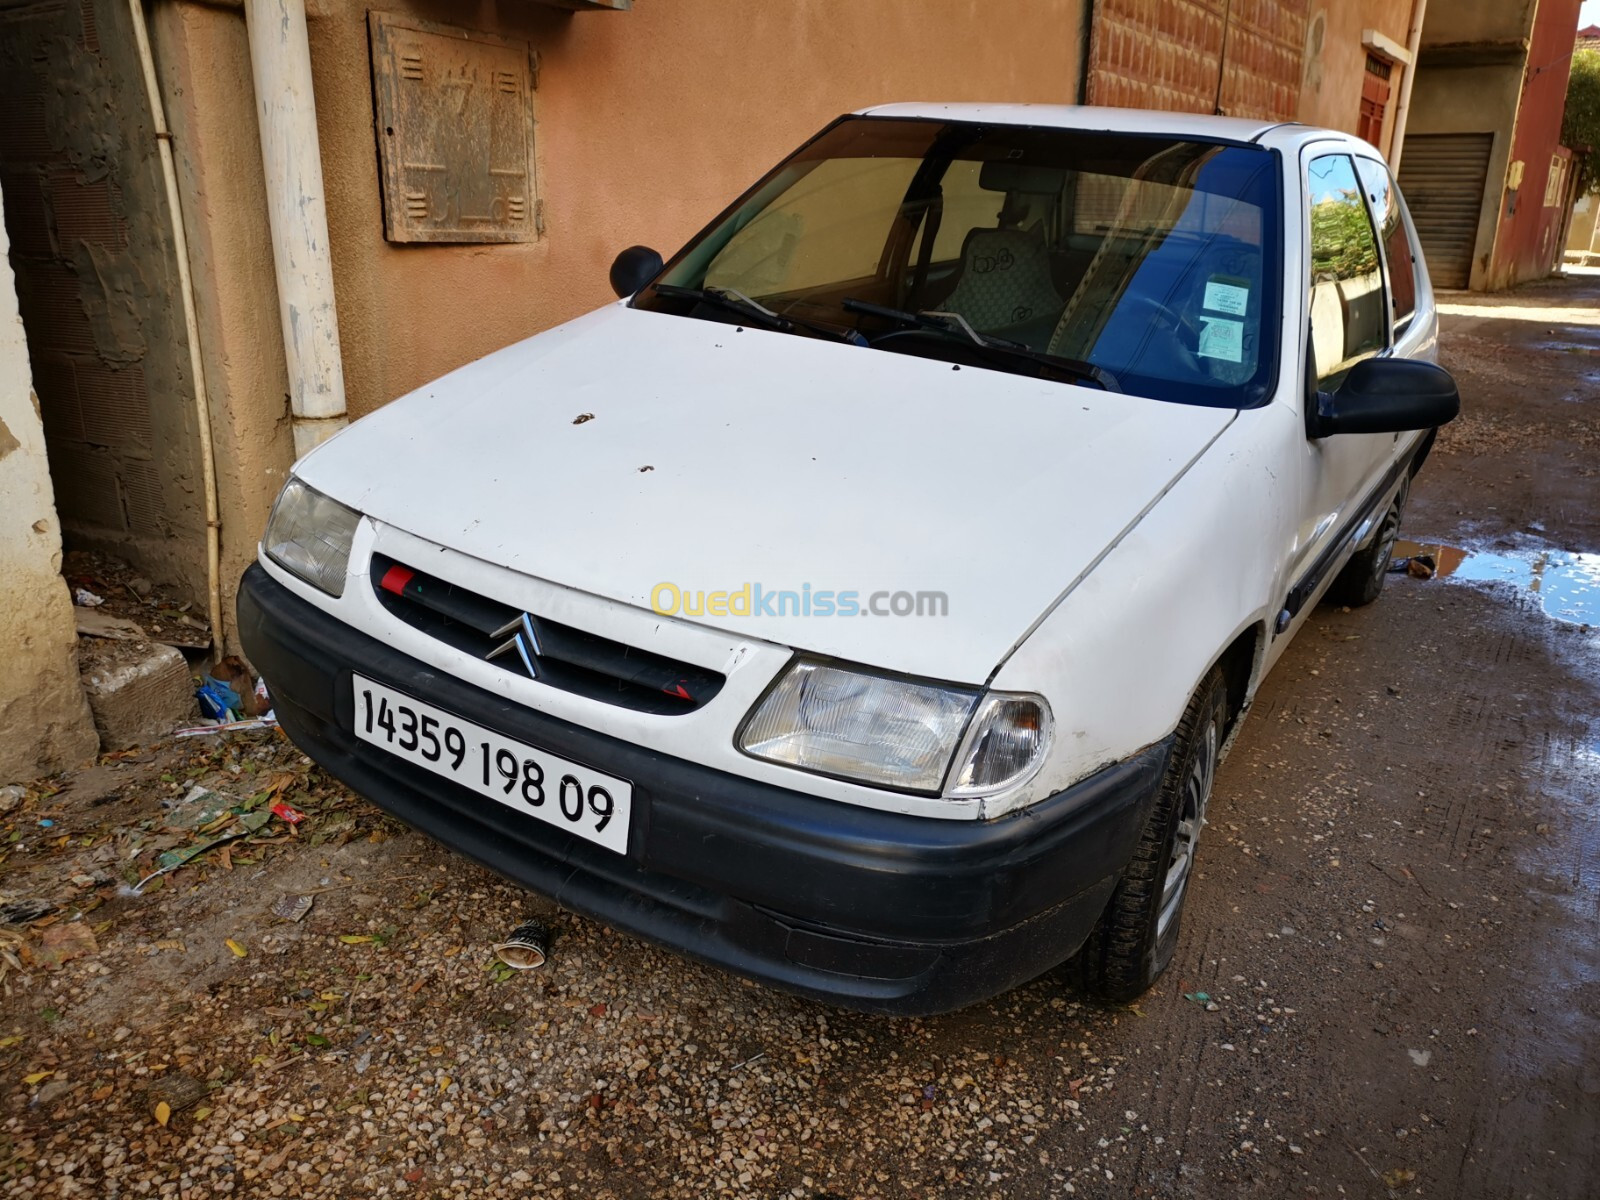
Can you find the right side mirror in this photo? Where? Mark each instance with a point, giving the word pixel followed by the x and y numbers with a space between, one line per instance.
pixel 1387 395
pixel 633 268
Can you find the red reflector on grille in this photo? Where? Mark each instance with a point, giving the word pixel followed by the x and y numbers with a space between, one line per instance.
pixel 677 690
pixel 395 579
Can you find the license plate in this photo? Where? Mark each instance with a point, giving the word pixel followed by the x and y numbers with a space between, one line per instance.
pixel 582 801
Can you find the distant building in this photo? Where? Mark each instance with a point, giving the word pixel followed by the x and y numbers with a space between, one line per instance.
pixel 1488 182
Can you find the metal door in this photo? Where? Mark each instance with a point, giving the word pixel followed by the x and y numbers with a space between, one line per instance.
pixel 1442 176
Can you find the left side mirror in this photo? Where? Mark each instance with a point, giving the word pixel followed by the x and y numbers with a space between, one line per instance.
pixel 1387 395
pixel 633 268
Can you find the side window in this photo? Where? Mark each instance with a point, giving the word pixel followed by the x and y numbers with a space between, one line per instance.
pixel 1348 314
pixel 1387 210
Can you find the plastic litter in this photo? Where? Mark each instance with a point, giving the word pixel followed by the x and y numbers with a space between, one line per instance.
pixel 217 701
pixel 248 823
pixel 1418 566
pixel 229 695
pixel 525 948
pixel 21 912
pixel 11 797
pixel 266 722
pixel 199 807
pixel 293 908
pixel 84 598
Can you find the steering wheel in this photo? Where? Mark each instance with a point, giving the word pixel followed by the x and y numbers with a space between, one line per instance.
pixel 1185 332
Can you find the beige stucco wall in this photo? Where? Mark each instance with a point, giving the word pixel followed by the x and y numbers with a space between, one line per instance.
pixel 1336 61
pixel 44 719
pixel 648 123
pixel 204 61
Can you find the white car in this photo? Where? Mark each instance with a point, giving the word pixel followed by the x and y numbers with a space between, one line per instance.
pixel 864 603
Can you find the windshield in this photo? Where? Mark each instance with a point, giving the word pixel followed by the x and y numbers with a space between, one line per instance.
pixel 1153 259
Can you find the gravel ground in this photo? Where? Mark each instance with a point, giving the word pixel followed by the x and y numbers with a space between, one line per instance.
pixel 375 1048
pixel 1388 982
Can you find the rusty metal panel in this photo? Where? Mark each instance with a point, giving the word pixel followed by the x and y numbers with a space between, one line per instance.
pixel 454 115
pixel 1238 57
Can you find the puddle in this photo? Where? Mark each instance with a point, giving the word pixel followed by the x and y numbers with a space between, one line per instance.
pixel 1566 582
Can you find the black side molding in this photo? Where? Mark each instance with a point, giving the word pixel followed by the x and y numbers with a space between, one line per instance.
pixel 1308 583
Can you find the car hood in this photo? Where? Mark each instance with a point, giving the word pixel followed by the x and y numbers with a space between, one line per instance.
pixel 630 449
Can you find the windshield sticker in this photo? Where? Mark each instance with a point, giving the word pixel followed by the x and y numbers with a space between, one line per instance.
pixel 1225 296
pixel 1222 338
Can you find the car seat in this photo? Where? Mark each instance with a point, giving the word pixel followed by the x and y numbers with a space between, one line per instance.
pixel 1005 279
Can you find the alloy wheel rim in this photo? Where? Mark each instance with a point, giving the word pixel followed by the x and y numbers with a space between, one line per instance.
pixel 1191 819
pixel 1388 534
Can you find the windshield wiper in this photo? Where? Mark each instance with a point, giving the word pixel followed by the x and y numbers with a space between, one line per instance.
pixel 955 325
pixel 752 310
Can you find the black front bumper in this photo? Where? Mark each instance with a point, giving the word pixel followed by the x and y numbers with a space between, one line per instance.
pixel 871 910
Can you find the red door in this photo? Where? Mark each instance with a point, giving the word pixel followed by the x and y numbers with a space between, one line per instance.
pixel 1374 100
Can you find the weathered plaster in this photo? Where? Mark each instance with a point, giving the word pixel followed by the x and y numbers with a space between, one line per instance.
pixel 118 408
pixel 44 720
pixel 114 297
pixel 204 63
pixel 647 123
pixel 1336 61
pixel 633 151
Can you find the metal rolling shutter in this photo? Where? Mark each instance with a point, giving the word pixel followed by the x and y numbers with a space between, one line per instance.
pixel 1442 176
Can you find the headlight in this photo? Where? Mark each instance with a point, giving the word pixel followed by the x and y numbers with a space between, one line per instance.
pixel 893 733
pixel 309 535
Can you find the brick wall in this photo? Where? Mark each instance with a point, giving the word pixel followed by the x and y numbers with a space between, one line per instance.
pixel 1237 57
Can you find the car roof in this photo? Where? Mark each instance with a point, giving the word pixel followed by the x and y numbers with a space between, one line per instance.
pixel 1085 116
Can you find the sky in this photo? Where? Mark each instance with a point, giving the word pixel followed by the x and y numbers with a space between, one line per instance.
pixel 1589 14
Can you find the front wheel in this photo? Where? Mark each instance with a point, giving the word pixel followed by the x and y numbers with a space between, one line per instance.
pixel 1136 935
pixel 1362 578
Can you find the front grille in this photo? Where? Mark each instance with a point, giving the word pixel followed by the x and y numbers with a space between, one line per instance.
pixel 536 647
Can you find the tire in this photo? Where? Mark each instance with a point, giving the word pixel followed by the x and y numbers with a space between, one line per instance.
pixel 1362 578
pixel 1134 939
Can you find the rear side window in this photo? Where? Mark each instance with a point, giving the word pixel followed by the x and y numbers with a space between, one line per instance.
pixel 1349 319
pixel 1387 210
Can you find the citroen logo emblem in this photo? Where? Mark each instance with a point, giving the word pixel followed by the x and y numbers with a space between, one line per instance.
pixel 521 637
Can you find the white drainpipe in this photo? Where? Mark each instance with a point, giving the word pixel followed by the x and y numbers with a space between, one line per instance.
pixel 1397 139
pixel 280 61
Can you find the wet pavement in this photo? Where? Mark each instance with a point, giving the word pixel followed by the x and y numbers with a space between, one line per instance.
pixel 1388 981
pixel 1566 582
